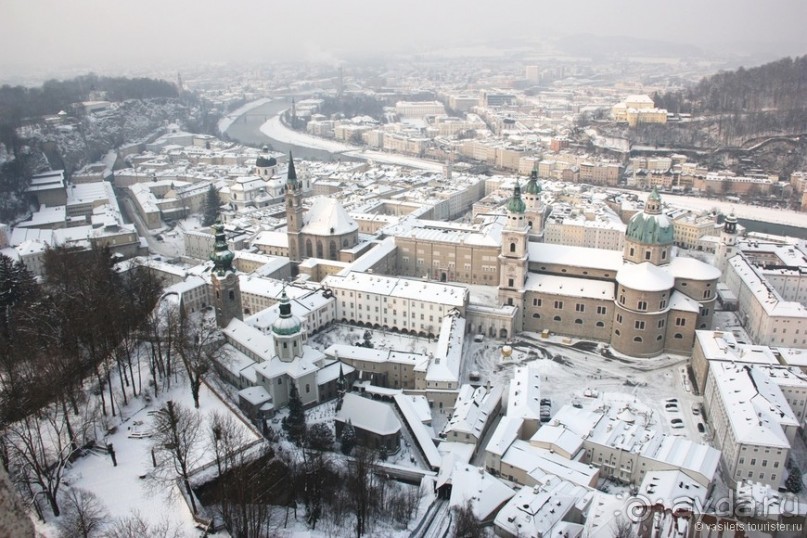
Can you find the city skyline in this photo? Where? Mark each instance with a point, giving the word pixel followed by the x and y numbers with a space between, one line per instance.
pixel 104 36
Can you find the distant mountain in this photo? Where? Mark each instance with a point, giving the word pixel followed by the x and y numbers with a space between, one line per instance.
pixel 599 46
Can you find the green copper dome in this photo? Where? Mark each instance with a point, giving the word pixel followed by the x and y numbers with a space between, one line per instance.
pixel 533 187
pixel 287 323
pixel 222 256
pixel 650 229
pixel 516 204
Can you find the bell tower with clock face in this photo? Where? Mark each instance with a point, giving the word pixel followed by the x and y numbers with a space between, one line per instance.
pixel 513 258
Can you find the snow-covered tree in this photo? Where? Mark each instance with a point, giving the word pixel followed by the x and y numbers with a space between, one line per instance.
pixel 294 423
pixel 348 439
pixel 212 206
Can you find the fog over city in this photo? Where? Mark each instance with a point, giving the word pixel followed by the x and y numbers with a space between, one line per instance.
pixel 52 37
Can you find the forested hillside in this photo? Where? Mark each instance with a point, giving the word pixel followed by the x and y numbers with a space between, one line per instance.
pixel 18 103
pixel 735 108
pixel 141 106
pixel 776 86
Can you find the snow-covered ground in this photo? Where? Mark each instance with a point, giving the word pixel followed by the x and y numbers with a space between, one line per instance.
pixel 275 129
pixel 125 489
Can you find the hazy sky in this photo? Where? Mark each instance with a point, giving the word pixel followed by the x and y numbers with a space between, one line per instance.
pixel 46 34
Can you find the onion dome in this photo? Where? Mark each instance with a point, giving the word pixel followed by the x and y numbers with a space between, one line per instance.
pixel 651 227
pixel 516 204
pixel 533 187
pixel 287 323
pixel 222 256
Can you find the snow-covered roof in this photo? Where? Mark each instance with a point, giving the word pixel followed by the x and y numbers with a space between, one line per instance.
pixel 328 217
pixel 255 395
pixel 368 415
pixel 673 490
pixel 753 419
pixel 691 269
pixel 540 510
pixel 524 398
pixel 684 454
pixel 539 462
pixel 473 409
pixel 682 303
pixel 445 366
pixel 485 492
pixel 436 292
pixel 557 437
pixel 569 286
pixel 583 257
pixel 645 277
pixel 258 345
pixel 423 434
pixel 507 431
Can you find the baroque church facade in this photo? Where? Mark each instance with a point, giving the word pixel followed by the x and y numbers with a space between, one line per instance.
pixel 645 302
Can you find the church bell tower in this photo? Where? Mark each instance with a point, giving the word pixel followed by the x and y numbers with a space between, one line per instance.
pixel 294 212
pixel 226 287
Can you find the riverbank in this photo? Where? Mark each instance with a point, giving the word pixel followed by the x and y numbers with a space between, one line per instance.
pixel 227 121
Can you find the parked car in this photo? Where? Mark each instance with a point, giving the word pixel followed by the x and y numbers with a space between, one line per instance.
pixel 677 423
pixel 696 409
pixel 701 427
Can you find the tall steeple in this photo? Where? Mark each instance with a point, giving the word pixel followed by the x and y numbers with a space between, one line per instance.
pixel 225 283
pixel 535 209
pixel 294 212
pixel 727 248
pixel 222 257
pixel 513 260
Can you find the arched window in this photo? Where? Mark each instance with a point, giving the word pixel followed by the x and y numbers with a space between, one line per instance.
pixel 556 318
pixel 637 338
pixel 319 249
pixel 678 336
pixel 600 324
pixel 333 251
pixel 512 247
pixel 578 321
pixel 309 252
pixel 536 316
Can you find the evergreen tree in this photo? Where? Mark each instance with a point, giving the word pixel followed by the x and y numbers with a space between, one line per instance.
pixel 793 483
pixel 348 440
pixel 212 205
pixel 294 424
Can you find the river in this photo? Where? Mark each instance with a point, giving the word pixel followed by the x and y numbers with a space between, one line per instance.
pixel 247 130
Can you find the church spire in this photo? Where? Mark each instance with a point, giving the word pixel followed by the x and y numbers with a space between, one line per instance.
pixel 291 178
pixel 222 256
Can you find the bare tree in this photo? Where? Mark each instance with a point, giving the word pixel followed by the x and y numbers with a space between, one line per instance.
pixel 176 432
pixel 39 448
pixel 136 526
pixel 466 525
pixel 83 516
pixel 227 439
pixel 198 343
pixel 360 487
